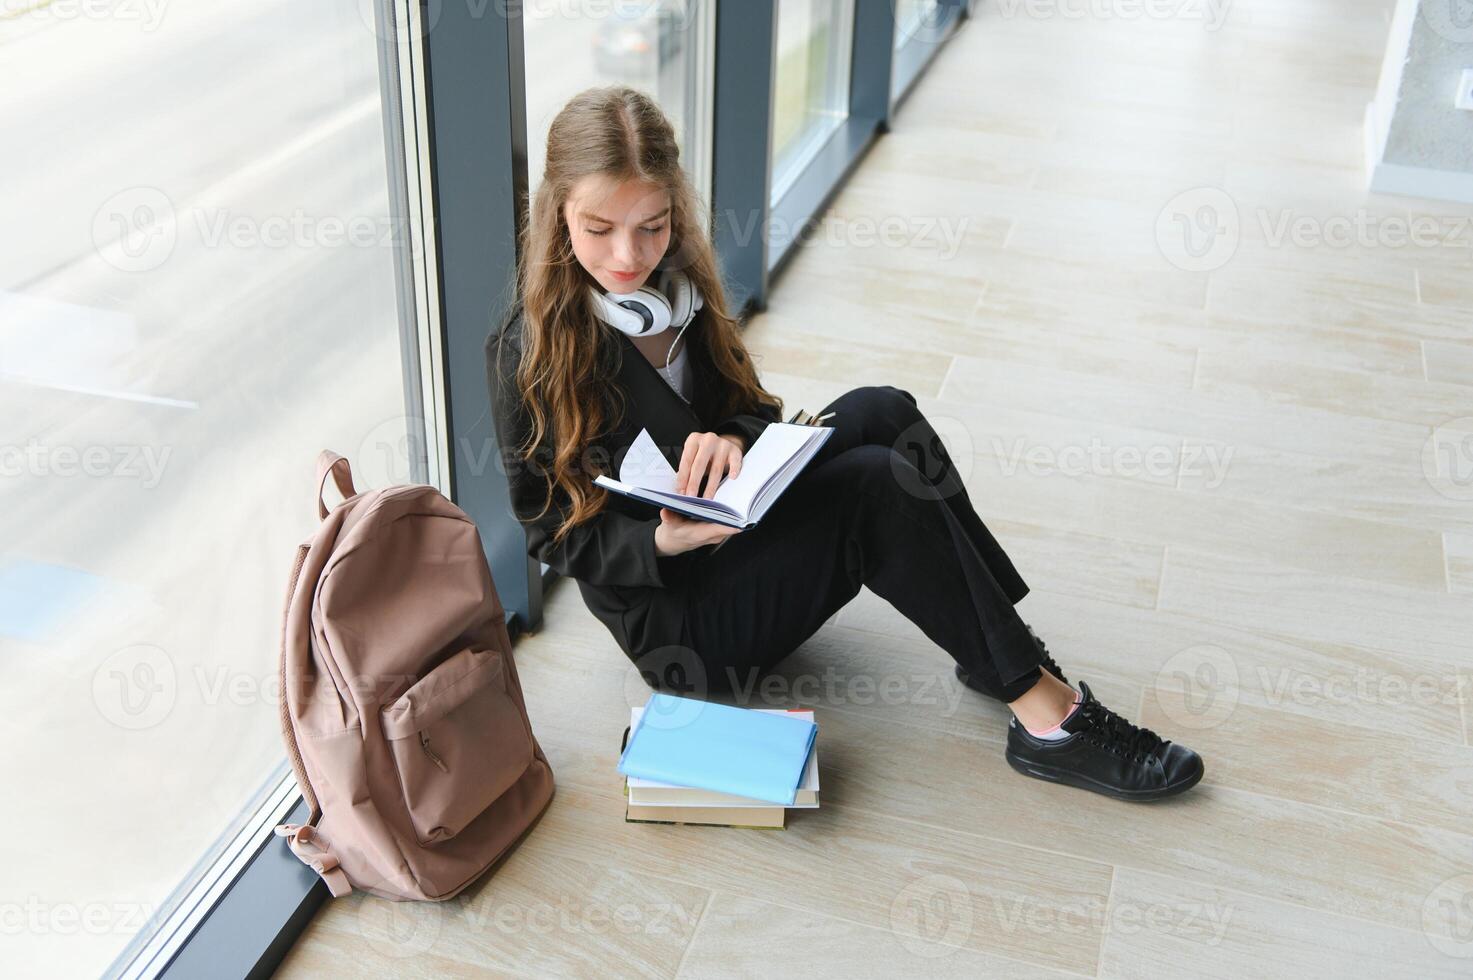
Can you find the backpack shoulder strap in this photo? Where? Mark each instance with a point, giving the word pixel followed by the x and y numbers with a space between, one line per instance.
pixel 288 734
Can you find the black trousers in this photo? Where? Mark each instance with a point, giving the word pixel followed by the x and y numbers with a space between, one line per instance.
pixel 881 505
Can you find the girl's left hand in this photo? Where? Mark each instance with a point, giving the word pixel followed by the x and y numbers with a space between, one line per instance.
pixel 708 457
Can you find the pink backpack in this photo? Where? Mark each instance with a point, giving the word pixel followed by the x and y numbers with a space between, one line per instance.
pixel 401 709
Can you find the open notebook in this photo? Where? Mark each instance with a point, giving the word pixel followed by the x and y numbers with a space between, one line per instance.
pixel 768 466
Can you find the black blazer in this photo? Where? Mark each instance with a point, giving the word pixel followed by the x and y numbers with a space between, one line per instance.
pixel 612 557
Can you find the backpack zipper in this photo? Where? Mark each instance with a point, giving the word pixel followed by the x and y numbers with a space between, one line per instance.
pixel 424 741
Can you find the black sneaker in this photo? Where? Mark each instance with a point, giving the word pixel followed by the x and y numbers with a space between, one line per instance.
pixel 977 684
pixel 1106 754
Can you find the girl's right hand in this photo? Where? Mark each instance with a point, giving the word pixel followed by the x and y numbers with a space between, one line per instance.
pixel 678 533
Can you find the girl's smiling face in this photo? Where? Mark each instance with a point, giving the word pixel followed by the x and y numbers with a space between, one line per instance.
pixel 619 229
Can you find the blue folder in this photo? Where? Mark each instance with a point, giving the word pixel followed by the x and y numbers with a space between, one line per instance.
pixel 717 747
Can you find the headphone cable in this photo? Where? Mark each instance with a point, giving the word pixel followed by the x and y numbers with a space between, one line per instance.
pixel 666 370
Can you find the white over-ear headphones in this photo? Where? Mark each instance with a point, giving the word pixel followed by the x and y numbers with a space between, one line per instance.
pixel 672 302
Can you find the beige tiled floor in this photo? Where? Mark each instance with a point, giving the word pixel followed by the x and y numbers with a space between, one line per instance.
pixel 1285 587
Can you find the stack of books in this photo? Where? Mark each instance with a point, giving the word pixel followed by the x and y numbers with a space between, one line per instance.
pixel 687 761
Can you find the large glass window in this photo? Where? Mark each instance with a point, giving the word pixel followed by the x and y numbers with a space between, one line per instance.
pixel 661 47
pixel 811 83
pixel 198 293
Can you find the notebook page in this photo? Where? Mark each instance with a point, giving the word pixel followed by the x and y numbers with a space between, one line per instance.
pixel 764 460
pixel 780 480
pixel 645 466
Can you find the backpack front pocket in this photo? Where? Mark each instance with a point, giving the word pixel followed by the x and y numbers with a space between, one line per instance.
pixel 458 741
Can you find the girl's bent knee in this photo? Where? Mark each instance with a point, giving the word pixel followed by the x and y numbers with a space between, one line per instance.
pixel 882 398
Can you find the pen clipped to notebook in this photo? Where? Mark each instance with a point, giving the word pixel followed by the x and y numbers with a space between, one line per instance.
pixel 802 417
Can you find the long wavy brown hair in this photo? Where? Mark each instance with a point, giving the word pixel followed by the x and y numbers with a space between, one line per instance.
pixel 620 133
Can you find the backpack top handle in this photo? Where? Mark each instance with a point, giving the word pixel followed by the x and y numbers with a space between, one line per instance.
pixel 342 474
